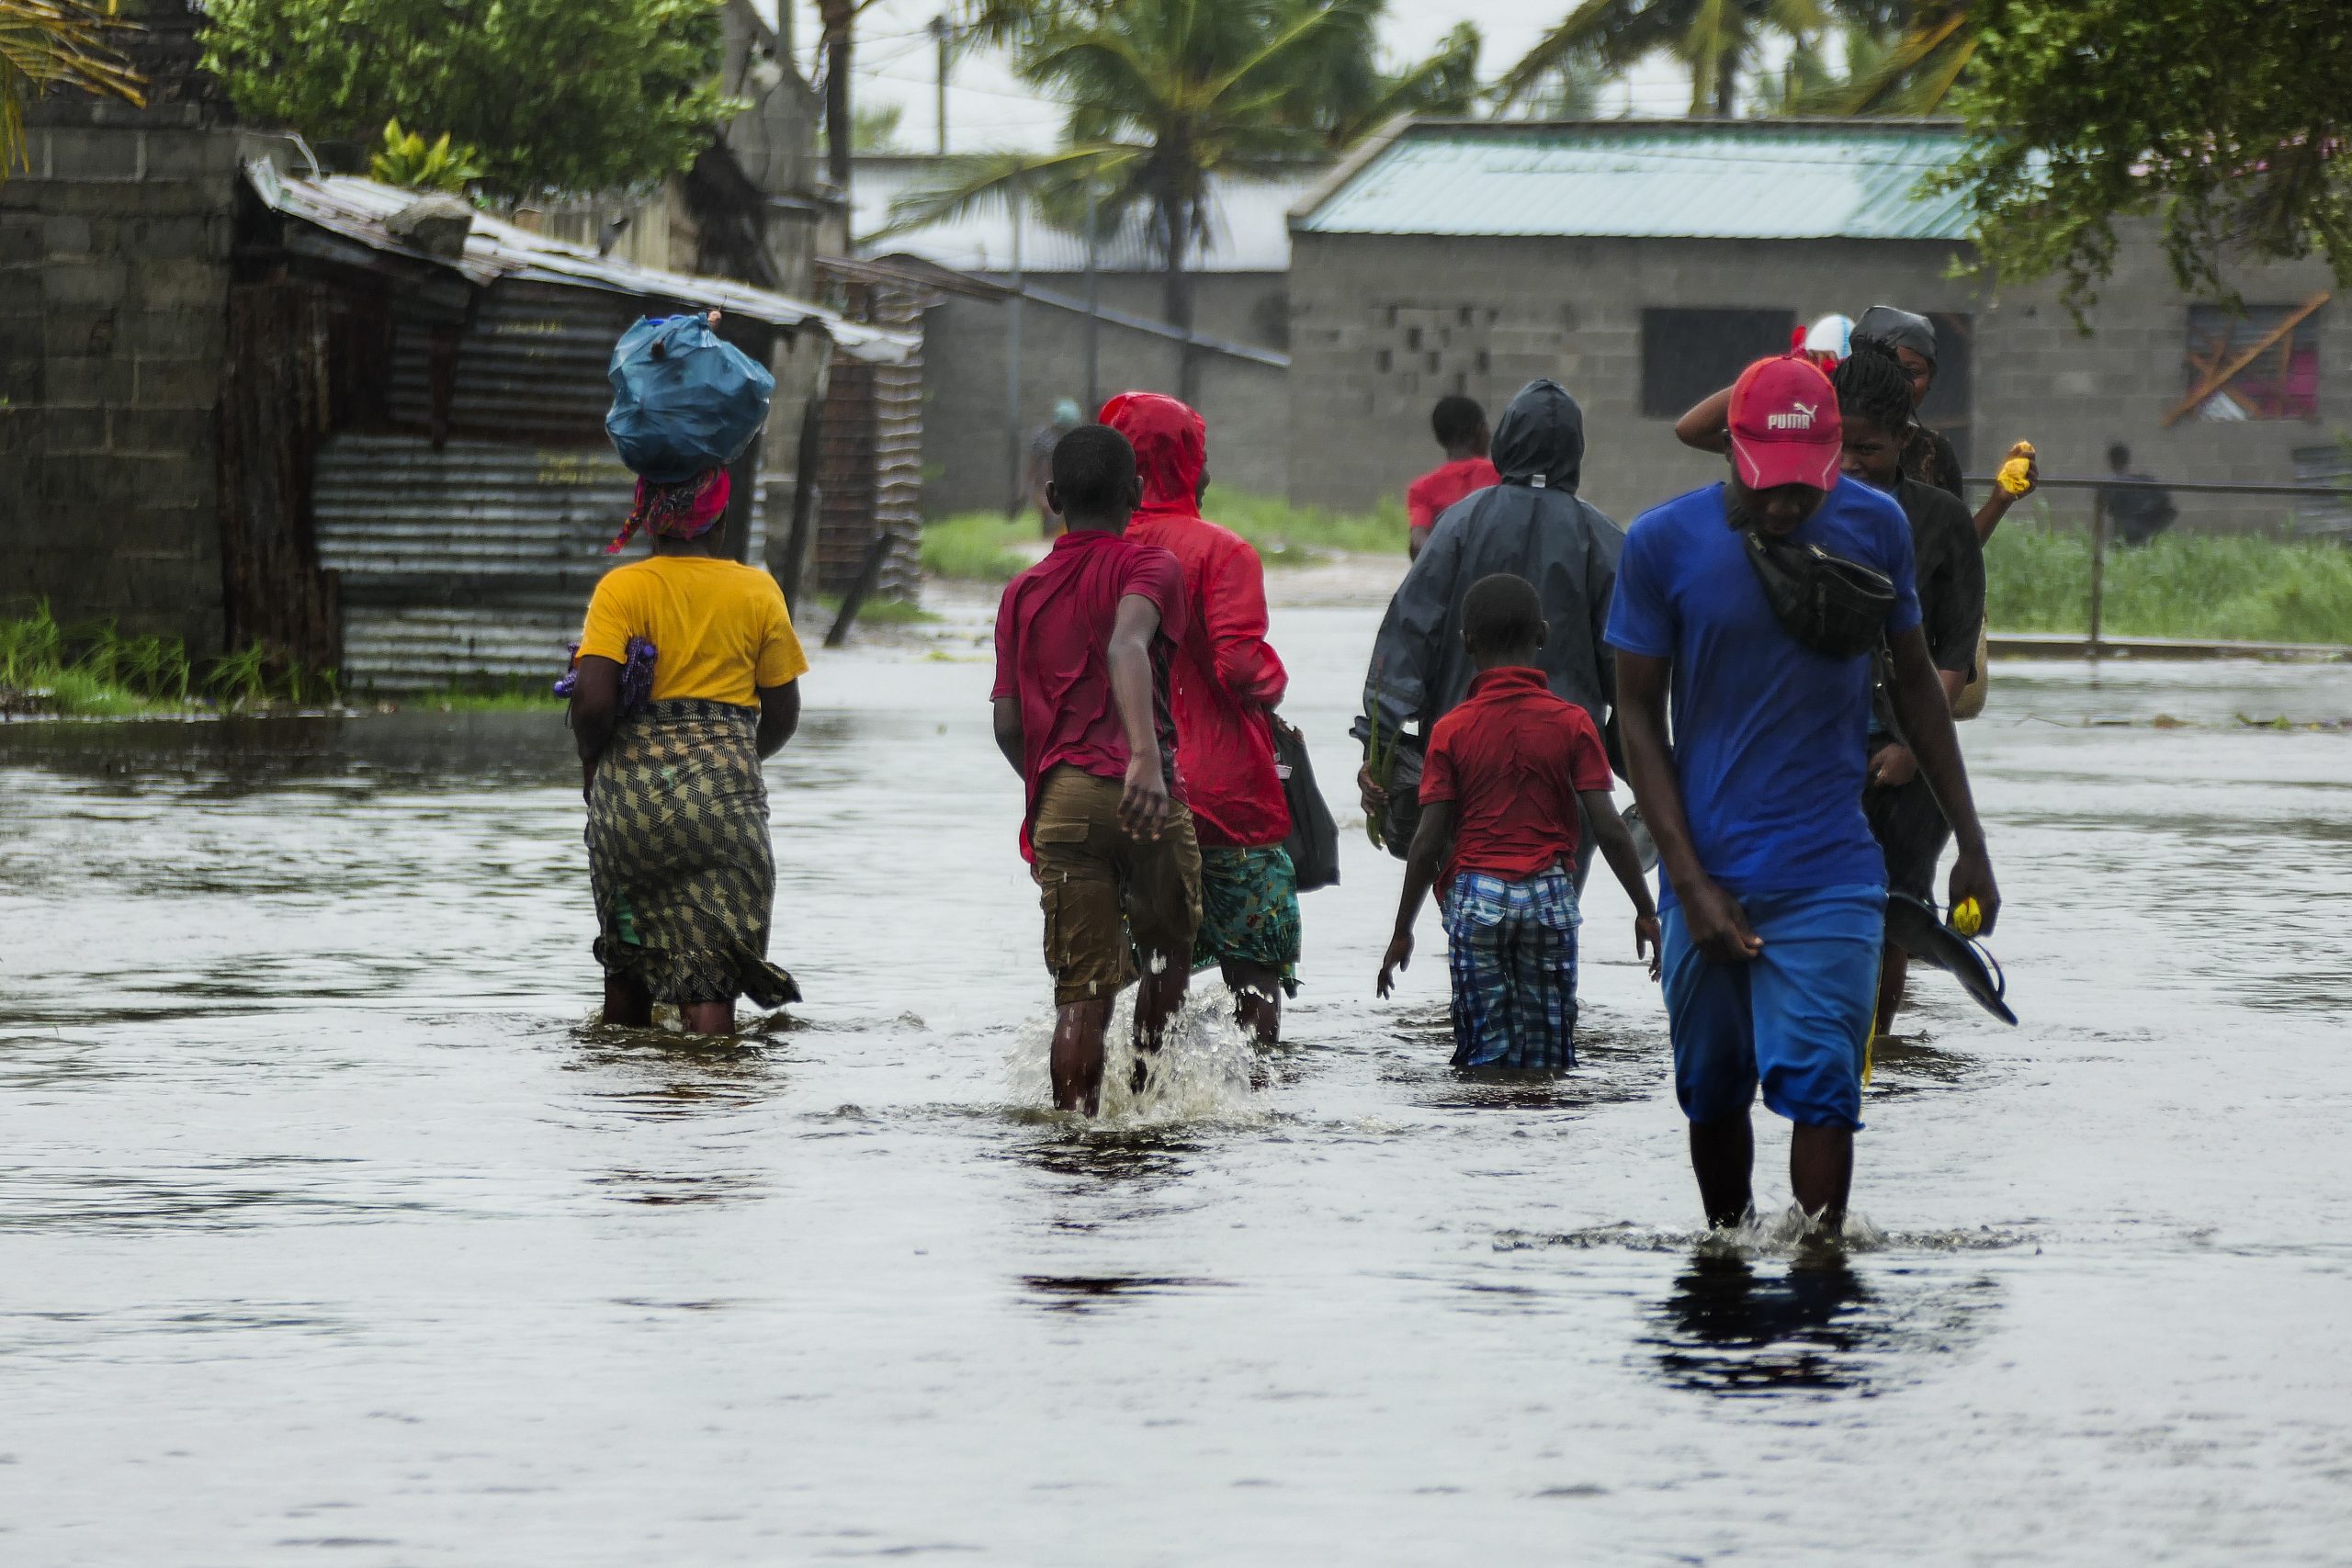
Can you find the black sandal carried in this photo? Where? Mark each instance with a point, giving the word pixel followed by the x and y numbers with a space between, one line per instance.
pixel 1913 926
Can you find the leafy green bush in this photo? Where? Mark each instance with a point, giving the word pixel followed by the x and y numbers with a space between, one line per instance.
pixel 407 159
pixel 2231 587
pixel 558 96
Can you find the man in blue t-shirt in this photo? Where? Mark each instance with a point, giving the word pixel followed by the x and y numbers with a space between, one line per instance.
pixel 1775 894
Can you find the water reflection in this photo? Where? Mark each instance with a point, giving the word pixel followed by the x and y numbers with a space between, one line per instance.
pixel 1092 1292
pixel 1814 1326
pixel 654 1076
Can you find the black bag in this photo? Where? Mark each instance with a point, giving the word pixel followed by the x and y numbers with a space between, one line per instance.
pixel 1402 816
pixel 1833 607
pixel 1314 841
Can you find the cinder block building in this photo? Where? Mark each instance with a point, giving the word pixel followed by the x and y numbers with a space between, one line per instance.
pixel 973 421
pixel 1643 262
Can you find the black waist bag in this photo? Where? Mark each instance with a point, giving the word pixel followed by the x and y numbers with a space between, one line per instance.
pixel 1833 607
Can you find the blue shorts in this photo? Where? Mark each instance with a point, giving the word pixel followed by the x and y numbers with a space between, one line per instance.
pixel 1797 1017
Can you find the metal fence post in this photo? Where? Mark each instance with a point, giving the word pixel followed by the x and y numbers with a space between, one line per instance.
pixel 2098 566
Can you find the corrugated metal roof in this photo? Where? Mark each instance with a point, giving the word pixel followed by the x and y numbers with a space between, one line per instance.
pixel 1249 225
pixel 357 209
pixel 1636 179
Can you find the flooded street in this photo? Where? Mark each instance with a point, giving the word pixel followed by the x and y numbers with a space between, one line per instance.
pixel 329 1232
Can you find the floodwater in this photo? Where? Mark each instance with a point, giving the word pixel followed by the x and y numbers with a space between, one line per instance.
pixel 331 1233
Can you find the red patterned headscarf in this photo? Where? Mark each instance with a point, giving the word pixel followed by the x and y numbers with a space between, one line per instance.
pixel 683 511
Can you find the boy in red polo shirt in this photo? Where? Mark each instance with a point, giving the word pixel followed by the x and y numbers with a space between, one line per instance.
pixel 1083 641
pixel 1499 791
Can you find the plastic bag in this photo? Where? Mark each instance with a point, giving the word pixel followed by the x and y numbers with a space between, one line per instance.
pixel 684 400
pixel 1314 841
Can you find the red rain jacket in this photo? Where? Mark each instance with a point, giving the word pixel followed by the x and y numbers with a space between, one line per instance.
pixel 1225 680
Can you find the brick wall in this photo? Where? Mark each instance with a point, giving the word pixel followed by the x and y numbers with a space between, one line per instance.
pixel 1382 325
pixel 114 275
pixel 964 440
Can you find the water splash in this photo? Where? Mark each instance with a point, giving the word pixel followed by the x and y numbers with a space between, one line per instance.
pixel 1205 1070
pixel 1789 1233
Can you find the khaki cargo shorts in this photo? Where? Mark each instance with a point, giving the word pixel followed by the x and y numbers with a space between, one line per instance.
pixel 1108 896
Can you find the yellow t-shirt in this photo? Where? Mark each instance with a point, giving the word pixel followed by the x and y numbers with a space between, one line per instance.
pixel 718 628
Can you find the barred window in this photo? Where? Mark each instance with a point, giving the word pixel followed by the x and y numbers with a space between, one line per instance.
pixel 1687 355
pixel 2259 363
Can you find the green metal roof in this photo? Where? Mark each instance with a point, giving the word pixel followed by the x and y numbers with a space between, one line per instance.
pixel 1661 179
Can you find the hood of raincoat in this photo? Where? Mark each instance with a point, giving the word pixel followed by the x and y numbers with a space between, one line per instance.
pixel 1171 445
pixel 1542 434
pixel 1899 329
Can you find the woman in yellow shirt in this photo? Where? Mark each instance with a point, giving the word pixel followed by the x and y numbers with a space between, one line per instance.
pixel 678 851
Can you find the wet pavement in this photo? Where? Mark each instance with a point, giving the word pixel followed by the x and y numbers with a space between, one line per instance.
pixel 329 1232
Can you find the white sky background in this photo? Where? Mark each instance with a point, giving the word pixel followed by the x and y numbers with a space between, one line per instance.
pixel 989 107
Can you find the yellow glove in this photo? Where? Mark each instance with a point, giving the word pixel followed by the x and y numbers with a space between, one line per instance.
pixel 2013 476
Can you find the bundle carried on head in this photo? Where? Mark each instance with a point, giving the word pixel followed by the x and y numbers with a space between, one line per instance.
pixel 686 404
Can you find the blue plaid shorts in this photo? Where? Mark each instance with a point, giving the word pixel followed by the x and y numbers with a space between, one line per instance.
pixel 1512 950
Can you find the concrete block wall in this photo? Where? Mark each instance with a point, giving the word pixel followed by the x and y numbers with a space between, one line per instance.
pixel 1382 325
pixel 114 276
pixel 966 443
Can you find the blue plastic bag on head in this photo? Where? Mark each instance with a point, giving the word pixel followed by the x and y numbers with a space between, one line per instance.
pixel 684 400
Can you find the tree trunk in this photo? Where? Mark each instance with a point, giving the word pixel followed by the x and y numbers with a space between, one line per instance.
pixel 1726 84
pixel 839 133
pixel 1177 302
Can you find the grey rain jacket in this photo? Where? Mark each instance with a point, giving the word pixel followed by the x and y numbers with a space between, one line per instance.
pixel 1532 524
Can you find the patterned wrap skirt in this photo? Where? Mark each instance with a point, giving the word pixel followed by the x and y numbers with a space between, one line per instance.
pixel 679 856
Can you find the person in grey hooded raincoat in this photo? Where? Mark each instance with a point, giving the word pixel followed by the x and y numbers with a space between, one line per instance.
pixel 1532 526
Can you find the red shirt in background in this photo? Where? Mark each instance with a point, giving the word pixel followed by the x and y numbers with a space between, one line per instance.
pixel 1053 640
pixel 1226 675
pixel 1512 758
pixel 1441 487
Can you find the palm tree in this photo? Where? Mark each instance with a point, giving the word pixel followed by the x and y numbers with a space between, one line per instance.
pixel 1933 44
pixel 1716 38
pixel 1166 95
pixel 52 44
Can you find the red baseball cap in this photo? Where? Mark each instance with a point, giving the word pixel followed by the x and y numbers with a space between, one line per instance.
pixel 1784 425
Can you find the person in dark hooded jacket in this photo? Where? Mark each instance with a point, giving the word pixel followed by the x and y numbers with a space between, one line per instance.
pixel 1531 525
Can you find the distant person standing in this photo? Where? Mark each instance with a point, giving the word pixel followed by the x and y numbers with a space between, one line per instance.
pixel 1776 894
pixel 1459 425
pixel 1040 474
pixel 2135 515
pixel 1226 682
pixel 1083 643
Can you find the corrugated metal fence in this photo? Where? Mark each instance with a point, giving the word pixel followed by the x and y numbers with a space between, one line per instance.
pixel 870 459
pixel 474 558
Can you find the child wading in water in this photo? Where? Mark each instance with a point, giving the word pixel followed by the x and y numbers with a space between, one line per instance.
pixel 1083 643
pixel 1499 792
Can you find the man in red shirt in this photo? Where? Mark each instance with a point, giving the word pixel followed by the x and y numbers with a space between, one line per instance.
pixel 1083 641
pixel 1227 683
pixel 1499 791
pixel 1459 425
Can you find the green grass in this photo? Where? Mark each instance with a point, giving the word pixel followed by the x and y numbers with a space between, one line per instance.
pixel 883 612
pixel 975 547
pixel 92 672
pixel 981 546
pixel 2238 588
pixel 495 696
pixel 1287 534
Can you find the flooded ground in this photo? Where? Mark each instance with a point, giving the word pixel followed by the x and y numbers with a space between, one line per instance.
pixel 329 1233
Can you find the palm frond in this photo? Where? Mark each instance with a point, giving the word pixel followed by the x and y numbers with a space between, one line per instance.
pixel 984 181
pixel 1598 31
pixel 51 45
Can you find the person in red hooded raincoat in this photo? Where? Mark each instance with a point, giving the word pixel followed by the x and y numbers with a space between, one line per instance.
pixel 1226 682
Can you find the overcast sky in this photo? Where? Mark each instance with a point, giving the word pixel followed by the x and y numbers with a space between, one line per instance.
pixel 989 107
